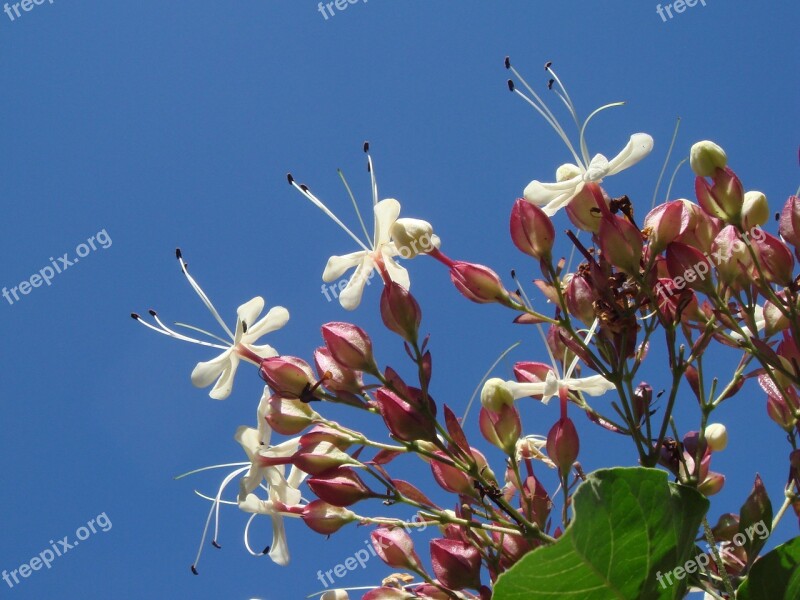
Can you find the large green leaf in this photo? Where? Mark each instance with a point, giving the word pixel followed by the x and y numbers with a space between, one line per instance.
pixel 630 525
pixel 774 576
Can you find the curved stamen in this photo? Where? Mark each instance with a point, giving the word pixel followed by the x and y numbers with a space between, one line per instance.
pixel 174 335
pixel 355 204
pixel 186 338
pixel 247 538
pixel 675 174
pixel 198 290
pixel 586 122
pixel 486 376
pixel 203 331
pixel 201 469
pixel 666 162
pixel 303 189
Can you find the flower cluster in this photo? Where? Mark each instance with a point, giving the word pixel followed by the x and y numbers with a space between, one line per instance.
pixel 691 273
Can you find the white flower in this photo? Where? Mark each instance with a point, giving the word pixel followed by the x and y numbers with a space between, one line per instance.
pixel 595 385
pixel 571 178
pixel 760 323
pixel 242 345
pixel 378 252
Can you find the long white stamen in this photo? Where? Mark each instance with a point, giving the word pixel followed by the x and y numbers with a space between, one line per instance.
pixel 570 104
pixel 549 351
pixel 247 538
pixel 586 341
pixel 198 290
pixel 186 338
pixel 584 148
pixel 547 114
pixel 204 332
pixel 177 336
pixel 555 127
pixel 318 203
pixel 674 175
pixel 212 499
pixel 374 184
pixel 215 506
pixel 666 162
pixel 485 376
pixel 201 469
pixel 355 205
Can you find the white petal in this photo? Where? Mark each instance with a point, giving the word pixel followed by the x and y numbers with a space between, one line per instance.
pixel 540 193
pixel 339 265
pixel 283 449
pixel 253 504
pixel 598 169
pixel 296 477
pixel 264 430
pixel 224 384
pixel 265 351
pixel 279 550
pixel 386 213
pixel 520 390
pixel 205 373
pixel 551 386
pixel 596 385
pixel 276 318
pixel 639 146
pixel 397 273
pixel 350 297
pixel 249 311
pixel 250 439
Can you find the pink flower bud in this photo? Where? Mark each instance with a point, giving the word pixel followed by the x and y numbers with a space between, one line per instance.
pixel 733 260
pixel 334 376
pixel 320 458
pixel 479 284
pixel 642 398
pixel 288 376
pixel 780 412
pixel 712 484
pixel 688 267
pixel 621 243
pixel 289 416
pixel 699 229
pixel 457 565
pixel 774 319
pixel 395 548
pixel 532 230
pixel 775 258
pixel 451 479
pixel 580 297
pixel 789 226
pixel 723 198
pixel 501 428
pixel 326 518
pixel 664 223
pixel 341 487
pixel 400 311
pixel 406 420
pixel 563 445
pixel 349 346
pixel 583 210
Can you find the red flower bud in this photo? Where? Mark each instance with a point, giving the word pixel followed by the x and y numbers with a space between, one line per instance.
pixel 563 445
pixel 349 346
pixel 580 298
pixel 532 230
pixel 501 428
pixel 664 223
pixel 583 210
pixel 688 267
pixel 334 376
pixel 479 284
pixel 789 225
pixel 406 420
pixel 400 311
pixel 780 412
pixel 699 228
pixel 457 565
pixel 723 198
pixel 341 487
pixel 319 458
pixel 775 258
pixel 288 376
pixel 733 260
pixel 621 243
pixel 395 548
pixel 325 518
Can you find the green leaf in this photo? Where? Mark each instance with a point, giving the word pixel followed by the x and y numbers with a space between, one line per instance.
pixel 631 525
pixel 774 576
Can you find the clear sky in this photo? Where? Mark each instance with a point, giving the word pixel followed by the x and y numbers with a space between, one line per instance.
pixel 151 125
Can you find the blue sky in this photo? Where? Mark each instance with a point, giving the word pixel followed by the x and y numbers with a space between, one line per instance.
pixel 174 124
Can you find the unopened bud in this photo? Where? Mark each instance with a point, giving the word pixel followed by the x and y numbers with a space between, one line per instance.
pixel 413 236
pixel 406 420
pixel 716 436
pixel 501 428
pixel 326 518
pixel 456 564
pixel 349 346
pixel 341 487
pixel 288 376
pixel 706 157
pixel 663 224
pixel 395 548
pixel 400 311
pixel 289 416
pixel 621 243
pixel 775 258
pixel 563 445
pixel 755 210
pixel 532 230
pixel 479 284
pixel 723 198
pixel 335 595
pixel 495 395
pixel 789 225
